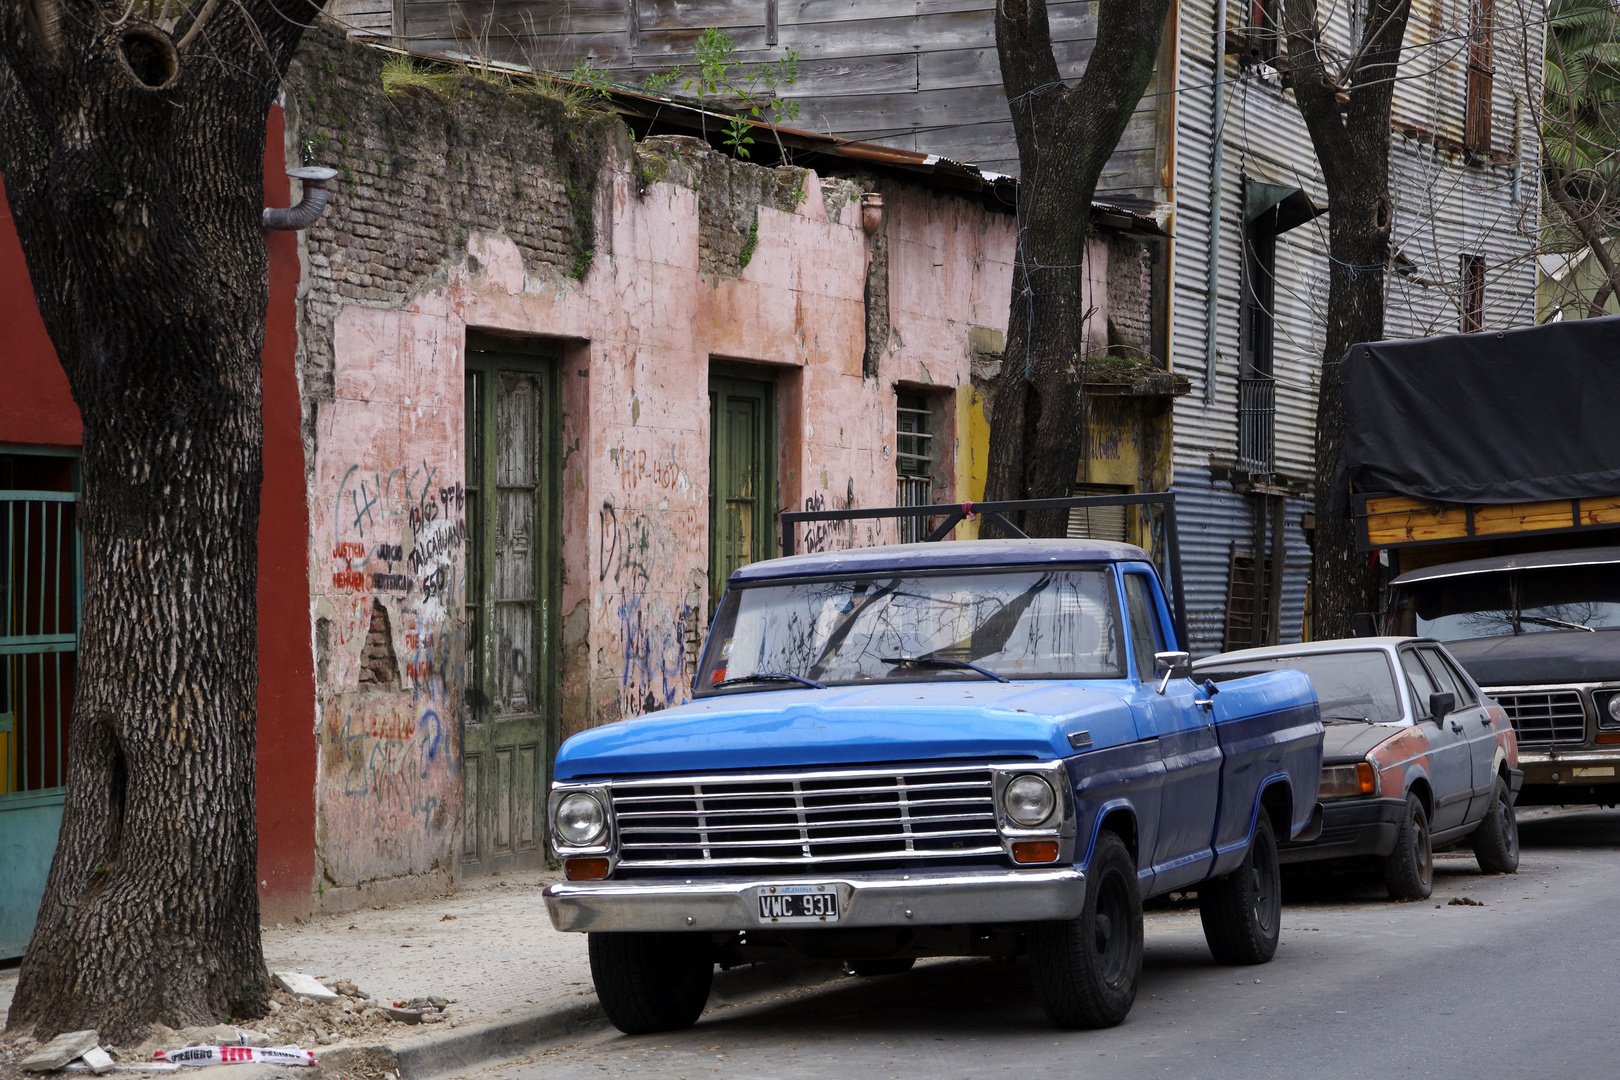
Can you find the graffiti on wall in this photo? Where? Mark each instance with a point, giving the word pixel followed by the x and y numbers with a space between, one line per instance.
pixel 655 623
pixel 389 788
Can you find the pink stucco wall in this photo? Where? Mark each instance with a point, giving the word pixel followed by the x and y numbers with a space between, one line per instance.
pixel 642 330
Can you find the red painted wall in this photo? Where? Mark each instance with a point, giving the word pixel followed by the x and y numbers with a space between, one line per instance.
pixel 37 408
pixel 286 756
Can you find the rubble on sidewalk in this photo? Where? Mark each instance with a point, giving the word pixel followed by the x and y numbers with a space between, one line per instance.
pixel 61 1050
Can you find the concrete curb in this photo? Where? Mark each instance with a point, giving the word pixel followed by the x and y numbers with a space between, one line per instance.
pixel 446 1052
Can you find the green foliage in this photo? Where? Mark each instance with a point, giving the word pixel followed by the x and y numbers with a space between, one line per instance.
pixel 661 82
pixel 592 78
pixel 746 255
pixel 752 91
pixel 401 73
pixel 1581 87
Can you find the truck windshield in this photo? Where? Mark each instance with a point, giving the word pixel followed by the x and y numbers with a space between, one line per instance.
pixel 1020 624
pixel 1512 602
pixel 1350 685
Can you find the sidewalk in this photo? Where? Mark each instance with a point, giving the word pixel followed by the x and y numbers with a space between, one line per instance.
pixel 514 983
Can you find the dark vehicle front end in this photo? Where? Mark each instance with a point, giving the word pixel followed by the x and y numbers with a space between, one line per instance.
pixel 1540 633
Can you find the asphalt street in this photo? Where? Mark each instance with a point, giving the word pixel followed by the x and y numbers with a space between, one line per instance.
pixel 1523 982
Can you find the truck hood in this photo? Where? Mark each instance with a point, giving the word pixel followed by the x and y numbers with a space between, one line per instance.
pixel 1350 741
pixel 895 722
pixel 1546 656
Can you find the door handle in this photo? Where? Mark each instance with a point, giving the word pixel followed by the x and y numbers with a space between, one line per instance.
pixel 1486 720
pixel 1456 727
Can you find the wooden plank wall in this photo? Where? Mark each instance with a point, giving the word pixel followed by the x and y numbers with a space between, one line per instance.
pixel 916 74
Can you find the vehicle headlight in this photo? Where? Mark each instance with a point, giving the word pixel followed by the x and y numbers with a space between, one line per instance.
pixel 581 821
pixel 1348 781
pixel 1029 800
pixel 1613 709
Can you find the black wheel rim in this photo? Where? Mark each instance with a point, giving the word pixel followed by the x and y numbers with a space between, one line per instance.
pixel 1111 930
pixel 1510 827
pixel 1264 884
pixel 1423 851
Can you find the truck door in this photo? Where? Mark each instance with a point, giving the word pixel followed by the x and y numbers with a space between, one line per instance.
pixel 1450 767
pixel 1477 728
pixel 1187 746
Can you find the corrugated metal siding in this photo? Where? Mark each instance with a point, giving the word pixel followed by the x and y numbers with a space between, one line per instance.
pixel 1444 208
pixel 1210 518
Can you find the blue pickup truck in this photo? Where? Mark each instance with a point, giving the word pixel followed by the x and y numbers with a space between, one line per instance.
pixel 976 748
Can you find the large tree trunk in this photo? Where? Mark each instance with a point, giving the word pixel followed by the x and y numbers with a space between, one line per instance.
pixel 1065 138
pixel 1351 138
pixel 134 176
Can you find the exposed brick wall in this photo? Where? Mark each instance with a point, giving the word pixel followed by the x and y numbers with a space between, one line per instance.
pixel 420 173
pixel 730 193
pixel 1130 292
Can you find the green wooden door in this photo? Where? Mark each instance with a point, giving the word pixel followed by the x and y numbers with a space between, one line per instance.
pixel 742 477
pixel 513 469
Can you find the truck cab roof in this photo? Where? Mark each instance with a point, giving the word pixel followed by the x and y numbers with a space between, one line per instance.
pixel 930 556
pixel 1533 560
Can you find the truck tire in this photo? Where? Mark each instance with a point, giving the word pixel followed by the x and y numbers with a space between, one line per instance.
pixel 651 982
pixel 1085 970
pixel 1242 911
pixel 1496 841
pixel 1409 869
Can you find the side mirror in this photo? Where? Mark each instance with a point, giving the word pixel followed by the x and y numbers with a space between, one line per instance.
pixel 1441 706
pixel 1171 665
pixel 1363 624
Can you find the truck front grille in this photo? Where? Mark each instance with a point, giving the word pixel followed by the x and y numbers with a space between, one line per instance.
pixel 821 818
pixel 1545 717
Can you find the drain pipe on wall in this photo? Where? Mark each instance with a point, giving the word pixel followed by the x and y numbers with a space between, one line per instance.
pixel 309 208
pixel 1217 128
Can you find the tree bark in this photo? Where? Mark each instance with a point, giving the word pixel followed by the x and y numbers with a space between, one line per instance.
pixel 1066 135
pixel 1352 141
pixel 134 174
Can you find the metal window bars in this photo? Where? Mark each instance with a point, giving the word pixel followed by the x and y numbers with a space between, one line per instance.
pixel 1257 422
pixel 40 594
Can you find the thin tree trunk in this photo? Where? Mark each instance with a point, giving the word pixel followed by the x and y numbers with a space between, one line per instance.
pixel 1066 135
pixel 134 176
pixel 1352 140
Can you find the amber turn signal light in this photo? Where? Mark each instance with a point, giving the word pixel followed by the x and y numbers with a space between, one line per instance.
pixel 1366 778
pixel 585 869
pixel 1608 737
pixel 1034 851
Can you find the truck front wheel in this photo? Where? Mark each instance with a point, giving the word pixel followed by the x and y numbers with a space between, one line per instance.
pixel 1085 970
pixel 1242 912
pixel 651 982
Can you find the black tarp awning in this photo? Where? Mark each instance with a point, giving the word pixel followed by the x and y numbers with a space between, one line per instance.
pixel 1518 416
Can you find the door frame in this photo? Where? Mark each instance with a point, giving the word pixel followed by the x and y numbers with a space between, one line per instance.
pixel 489 354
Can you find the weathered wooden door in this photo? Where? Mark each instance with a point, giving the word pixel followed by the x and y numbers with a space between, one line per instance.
pixel 512 587
pixel 742 477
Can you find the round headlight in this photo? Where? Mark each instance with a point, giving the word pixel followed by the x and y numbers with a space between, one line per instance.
pixel 1614 707
pixel 580 819
pixel 1029 800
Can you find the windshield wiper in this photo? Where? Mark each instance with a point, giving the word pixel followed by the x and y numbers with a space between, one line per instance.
pixel 1359 719
pixel 1542 620
pixel 769 676
pixel 945 662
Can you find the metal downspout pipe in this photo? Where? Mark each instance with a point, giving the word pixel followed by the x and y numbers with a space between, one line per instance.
pixel 1217 127
pixel 309 208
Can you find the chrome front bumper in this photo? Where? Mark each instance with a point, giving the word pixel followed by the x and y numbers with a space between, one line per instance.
pixel 893 899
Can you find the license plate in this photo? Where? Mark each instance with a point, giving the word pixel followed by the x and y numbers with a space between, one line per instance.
pixel 798 904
